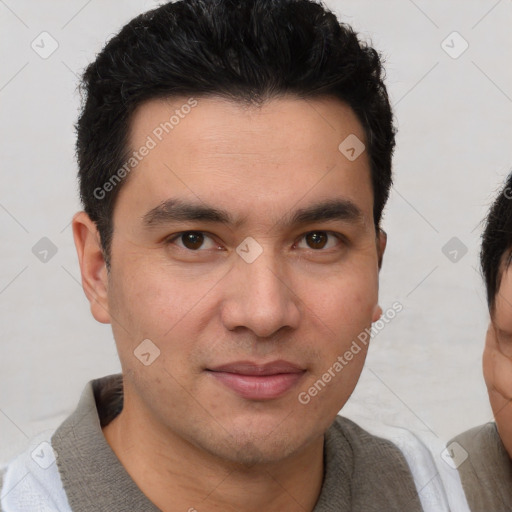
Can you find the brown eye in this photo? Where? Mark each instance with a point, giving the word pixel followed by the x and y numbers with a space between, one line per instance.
pixel 317 239
pixel 192 240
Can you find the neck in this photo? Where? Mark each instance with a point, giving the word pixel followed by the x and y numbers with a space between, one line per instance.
pixel 178 476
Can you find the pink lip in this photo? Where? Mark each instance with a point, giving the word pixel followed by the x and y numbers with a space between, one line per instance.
pixel 258 382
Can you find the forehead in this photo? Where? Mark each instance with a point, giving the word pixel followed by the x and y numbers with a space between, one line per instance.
pixel 272 156
pixel 213 123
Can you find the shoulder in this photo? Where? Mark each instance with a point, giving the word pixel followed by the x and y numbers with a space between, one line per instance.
pixel 362 443
pixel 31 480
pixel 403 452
pixel 478 439
pixel 485 468
pixel 384 443
pixel 375 467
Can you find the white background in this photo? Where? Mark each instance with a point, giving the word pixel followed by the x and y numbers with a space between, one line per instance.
pixel 454 150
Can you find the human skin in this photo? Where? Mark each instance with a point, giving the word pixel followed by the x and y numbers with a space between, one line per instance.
pixel 185 438
pixel 497 360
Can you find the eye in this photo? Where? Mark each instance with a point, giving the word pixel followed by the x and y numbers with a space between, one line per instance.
pixel 192 240
pixel 320 239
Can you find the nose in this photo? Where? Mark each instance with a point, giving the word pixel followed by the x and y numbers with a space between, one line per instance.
pixel 260 296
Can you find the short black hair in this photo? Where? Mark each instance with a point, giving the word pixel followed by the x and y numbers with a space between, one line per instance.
pixel 244 50
pixel 496 250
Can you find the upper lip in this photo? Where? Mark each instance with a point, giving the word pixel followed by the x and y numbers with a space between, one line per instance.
pixel 250 368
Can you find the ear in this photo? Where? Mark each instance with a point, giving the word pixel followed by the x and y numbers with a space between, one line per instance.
pixel 92 265
pixel 382 240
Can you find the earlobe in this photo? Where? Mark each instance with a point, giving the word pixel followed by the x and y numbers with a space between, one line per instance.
pixel 377 313
pixel 92 265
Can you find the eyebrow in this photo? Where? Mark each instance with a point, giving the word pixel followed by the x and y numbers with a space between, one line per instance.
pixel 177 210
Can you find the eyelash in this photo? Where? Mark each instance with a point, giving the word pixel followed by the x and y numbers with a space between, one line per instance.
pixel 170 240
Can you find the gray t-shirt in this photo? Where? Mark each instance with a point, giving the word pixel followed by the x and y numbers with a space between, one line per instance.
pixel 486 474
pixel 362 472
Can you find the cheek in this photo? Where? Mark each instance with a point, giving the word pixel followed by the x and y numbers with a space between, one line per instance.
pixel 169 308
pixel 153 299
pixel 341 324
pixel 487 367
pixel 348 302
pixel 497 369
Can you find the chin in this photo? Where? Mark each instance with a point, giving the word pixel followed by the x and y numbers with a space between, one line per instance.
pixel 248 447
pixel 249 452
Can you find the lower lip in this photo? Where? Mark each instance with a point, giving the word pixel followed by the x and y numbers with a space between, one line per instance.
pixel 259 387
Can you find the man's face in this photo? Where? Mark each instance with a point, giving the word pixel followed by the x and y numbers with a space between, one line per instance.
pixel 497 360
pixel 263 288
